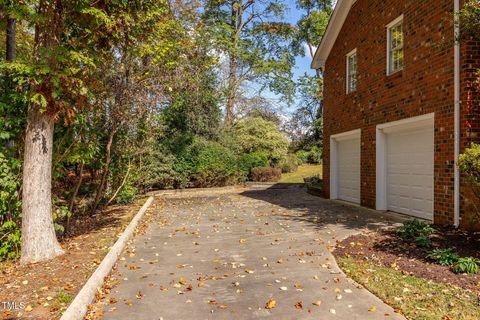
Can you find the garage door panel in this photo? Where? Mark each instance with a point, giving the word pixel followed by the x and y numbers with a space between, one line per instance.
pixel 349 170
pixel 410 172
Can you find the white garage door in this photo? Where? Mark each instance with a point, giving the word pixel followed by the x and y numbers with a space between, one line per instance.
pixel 349 170
pixel 410 172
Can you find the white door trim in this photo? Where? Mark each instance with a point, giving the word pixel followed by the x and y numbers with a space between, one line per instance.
pixel 381 154
pixel 334 139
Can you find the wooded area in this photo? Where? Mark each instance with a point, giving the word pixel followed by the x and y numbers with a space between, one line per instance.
pixel 103 100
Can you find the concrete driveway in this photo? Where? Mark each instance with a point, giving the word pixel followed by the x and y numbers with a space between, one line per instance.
pixel 231 255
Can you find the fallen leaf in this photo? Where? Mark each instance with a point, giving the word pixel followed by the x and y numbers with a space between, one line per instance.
pixel 270 304
pixel 317 303
pixel 134 267
pixel 372 309
pixel 299 305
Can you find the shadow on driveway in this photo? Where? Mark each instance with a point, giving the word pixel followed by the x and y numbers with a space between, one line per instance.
pixel 319 212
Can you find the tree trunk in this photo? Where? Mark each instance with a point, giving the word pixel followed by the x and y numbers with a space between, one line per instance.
pixel 10 41
pixel 108 159
pixel 121 184
pixel 232 83
pixel 77 188
pixel 39 242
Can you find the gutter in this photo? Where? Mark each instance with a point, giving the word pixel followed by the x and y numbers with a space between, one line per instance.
pixel 457 114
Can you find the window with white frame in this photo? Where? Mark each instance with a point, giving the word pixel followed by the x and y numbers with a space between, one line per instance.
pixel 395 46
pixel 352 71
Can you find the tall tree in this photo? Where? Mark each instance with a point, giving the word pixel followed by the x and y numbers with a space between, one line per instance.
pixel 253 39
pixel 72 38
pixel 312 25
pixel 305 124
pixel 39 241
pixel 10 38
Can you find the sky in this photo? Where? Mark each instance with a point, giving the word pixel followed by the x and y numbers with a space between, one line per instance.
pixel 302 64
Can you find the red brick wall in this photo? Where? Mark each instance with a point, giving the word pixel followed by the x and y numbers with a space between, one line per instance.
pixel 425 85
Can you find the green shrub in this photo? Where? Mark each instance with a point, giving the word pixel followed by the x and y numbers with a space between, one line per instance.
pixel 207 163
pixel 251 160
pixel 11 240
pixel 469 165
pixel 466 265
pixel 423 241
pixel 266 174
pixel 10 208
pixel 315 155
pixel 416 230
pixel 257 134
pixel 444 257
pixel 289 163
pixel 159 171
pixel 59 214
pixel 302 156
pixel 126 195
pixel 314 180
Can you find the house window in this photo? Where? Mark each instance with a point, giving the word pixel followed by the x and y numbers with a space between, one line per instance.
pixel 395 46
pixel 352 71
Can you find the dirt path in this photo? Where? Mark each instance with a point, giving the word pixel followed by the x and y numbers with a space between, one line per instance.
pixel 235 255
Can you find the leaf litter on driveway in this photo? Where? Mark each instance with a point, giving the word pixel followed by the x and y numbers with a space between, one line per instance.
pixel 233 256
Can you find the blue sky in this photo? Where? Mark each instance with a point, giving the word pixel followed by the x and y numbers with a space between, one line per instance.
pixel 302 64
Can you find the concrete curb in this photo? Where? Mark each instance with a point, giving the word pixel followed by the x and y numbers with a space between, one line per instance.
pixel 78 308
pixel 197 191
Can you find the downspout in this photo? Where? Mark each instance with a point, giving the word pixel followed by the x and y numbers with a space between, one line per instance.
pixel 457 113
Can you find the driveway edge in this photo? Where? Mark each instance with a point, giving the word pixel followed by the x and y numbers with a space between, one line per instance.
pixel 78 307
pixel 355 283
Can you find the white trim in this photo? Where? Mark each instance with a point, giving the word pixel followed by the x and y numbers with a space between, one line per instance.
pixel 457 97
pixel 339 15
pixel 395 22
pixel 347 135
pixel 381 148
pixel 413 122
pixel 389 26
pixel 334 139
pixel 347 73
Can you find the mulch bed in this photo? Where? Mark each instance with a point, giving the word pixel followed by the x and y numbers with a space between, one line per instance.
pixel 35 287
pixel 386 248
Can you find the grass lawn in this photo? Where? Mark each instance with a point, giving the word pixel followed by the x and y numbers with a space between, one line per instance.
pixel 304 171
pixel 416 298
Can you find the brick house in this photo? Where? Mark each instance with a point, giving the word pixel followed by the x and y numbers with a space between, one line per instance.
pixel 396 87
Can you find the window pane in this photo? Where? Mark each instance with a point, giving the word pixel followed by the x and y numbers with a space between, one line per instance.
pixel 396 48
pixel 352 72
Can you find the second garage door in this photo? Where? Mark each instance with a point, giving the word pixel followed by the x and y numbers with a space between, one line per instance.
pixel 410 168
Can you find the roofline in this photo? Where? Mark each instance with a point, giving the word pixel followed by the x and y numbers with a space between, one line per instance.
pixel 334 27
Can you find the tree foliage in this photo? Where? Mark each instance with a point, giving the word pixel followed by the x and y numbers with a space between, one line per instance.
pixel 252 43
pixel 135 91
